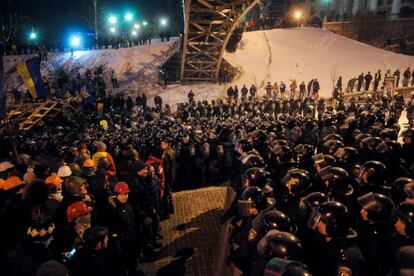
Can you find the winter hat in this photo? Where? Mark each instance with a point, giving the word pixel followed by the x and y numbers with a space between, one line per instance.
pixel 73 185
pixel 5 165
pixel 52 268
pixel 94 235
pixel 101 146
pixel 138 166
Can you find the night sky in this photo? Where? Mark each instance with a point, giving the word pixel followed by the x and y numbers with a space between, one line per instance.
pixel 54 19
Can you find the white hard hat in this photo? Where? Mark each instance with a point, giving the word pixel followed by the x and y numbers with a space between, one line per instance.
pixel 64 171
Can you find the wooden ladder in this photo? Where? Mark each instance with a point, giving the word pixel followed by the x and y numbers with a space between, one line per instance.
pixel 48 108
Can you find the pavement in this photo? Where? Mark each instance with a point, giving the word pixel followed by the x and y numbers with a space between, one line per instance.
pixel 191 234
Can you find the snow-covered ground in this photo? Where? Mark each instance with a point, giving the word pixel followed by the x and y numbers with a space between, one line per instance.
pixel 273 55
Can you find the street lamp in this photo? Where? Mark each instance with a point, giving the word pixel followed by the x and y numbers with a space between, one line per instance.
pixel 112 30
pixel 145 23
pixel 75 41
pixel 112 19
pixel 33 36
pixel 163 22
pixel 128 16
pixel 298 16
pixel 134 33
pixel 137 26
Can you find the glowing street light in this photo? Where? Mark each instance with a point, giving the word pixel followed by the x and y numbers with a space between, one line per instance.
pixel 75 41
pixel 134 33
pixel 137 26
pixel 112 19
pixel 128 16
pixel 145 23
pixel 163 22
pixel 33 36
pixel 112 30
pixel 298 15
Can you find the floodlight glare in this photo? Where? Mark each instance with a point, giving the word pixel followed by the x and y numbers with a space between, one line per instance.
pixel 33 35
pixel 145 23
pixel 163 22
pixel 298 14
pixel 112 30
pixel 134 33
pixel 75 41
pixel 128 16
pixel 112 19
pixel 136 26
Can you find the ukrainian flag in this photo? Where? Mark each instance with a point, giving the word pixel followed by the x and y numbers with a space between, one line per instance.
pixel 29 71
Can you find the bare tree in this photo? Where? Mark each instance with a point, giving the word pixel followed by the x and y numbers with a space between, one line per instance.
pixel 334 75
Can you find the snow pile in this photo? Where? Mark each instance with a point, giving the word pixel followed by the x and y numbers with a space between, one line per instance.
pixel 135 67
pixel 307 53
pixel 262 56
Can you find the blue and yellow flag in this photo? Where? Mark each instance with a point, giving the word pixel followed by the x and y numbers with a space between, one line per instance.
pixel 29 71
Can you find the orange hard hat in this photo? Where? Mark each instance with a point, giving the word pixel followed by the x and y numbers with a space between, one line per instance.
pixel 77 209
pixel 53 180
pixel 89 163
pixel 11 182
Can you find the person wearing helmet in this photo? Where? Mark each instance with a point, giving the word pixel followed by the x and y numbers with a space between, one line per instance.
pixel 78 215
pixel 372 178
pixel 257 177
pixel 54 183
pixel 101 153
pixel 283 267
pixel 123 223
pixel 407 150
pixel 243 237
pixel 75 169
pixel 276 244
pixel 89 167
pixel 336 253
pixel 64 171
pixel 93 258
pixel 374 240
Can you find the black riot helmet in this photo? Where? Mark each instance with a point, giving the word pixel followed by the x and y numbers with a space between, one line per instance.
pixel 388 134
pixel 273 219
pixel 256 177
pixel 336 180
pixel 372 173
pixel 346 154
pixel 303 152
pixel 334 215
pixel 378 207
pixel 331 146
pixel 404 187
pixel 297 182
pixel 388 149
pixel 283 267
pixel 245 145
pixel 280 244
pixel 254 197
pixel 332 136
pixel 405 212
pixel 283 153
pixel 313 200
pixel 370 142
pixel 252 160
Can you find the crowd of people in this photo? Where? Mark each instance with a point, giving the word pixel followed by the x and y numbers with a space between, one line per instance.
pixel 323 189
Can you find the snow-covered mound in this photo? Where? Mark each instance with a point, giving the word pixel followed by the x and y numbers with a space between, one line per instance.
pixel 135 67
pixel 307 53
pixel 262 56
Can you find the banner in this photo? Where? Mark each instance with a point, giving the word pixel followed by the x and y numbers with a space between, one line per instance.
pixel 29 71
pixel 389 86
pixel 2 92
